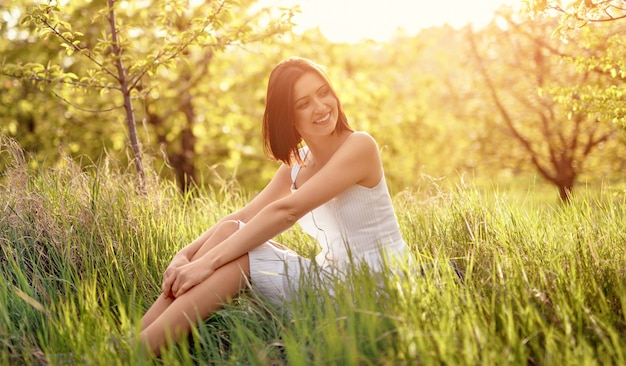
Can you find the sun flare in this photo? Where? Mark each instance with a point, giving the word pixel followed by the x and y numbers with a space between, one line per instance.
pixel 355 20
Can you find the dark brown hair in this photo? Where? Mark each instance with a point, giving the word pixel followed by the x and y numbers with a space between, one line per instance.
pixel 281 140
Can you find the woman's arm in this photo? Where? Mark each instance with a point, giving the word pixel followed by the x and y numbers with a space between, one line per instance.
pixel 355 162
pixel 277 188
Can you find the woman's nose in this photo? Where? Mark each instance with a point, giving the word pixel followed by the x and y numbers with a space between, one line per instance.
pixel 319 105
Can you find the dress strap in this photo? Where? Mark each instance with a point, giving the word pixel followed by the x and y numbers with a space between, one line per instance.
pixel 295 169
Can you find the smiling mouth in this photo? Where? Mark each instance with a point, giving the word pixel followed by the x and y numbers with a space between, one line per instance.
pixel 323 119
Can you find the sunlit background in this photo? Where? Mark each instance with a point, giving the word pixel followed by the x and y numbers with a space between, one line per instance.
pixel 465 100
pixel 355 20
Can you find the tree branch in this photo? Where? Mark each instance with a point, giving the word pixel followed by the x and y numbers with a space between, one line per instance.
pixel 85 109
pixel 75 47
pixel 52 81
pixel 504 113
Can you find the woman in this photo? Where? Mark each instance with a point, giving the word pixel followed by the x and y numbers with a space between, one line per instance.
pixel 331 182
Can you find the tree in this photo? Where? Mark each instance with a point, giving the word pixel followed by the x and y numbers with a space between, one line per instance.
pixel 196 101
pixel 518 63
pixel 136 42
pixel 577 13
pixel 25 111
pixel 599 25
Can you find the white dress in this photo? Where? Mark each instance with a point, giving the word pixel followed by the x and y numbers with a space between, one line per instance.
pixel 358 226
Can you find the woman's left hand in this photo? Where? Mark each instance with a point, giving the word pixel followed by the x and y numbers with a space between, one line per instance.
pixel 169 275
pixel 189 275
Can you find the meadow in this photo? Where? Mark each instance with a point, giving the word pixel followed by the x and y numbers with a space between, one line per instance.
pixel 83 251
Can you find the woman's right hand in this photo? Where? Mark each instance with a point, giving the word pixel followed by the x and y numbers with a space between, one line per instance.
pixel 169 276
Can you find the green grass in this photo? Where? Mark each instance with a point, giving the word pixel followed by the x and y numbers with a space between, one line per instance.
pixel 82 255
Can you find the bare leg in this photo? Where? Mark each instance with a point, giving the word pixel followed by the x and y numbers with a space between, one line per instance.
pixel 157 308
pixel 198 303
pixel 163 302
pixel 174 317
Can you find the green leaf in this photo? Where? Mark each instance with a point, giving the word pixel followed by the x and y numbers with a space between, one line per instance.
pixel 70 75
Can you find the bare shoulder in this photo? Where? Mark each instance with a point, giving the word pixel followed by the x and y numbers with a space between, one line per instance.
pixel 363 136
pixel 363 155
pixel 363 141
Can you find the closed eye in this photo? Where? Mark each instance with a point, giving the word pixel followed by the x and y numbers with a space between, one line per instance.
pixel 323 91
pixel 302 104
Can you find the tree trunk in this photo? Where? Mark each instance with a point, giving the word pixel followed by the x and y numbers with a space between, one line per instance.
pixel 180 160
pixel 564 176
pixel 186 170
pixel 128 104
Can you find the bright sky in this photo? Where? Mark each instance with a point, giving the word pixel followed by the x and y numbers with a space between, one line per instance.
pixel 354 20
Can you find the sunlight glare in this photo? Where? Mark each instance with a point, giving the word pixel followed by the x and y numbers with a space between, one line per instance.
pixel 355 20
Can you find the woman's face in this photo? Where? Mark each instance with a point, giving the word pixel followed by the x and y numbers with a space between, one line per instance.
pixel 315 106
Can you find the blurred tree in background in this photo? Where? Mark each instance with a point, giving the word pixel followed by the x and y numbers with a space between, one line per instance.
pixel 577 13
pixel 143 50
pixel 526 77
pixel 597 28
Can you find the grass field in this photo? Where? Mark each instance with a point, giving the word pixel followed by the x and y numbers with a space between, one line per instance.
pixel 82 256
